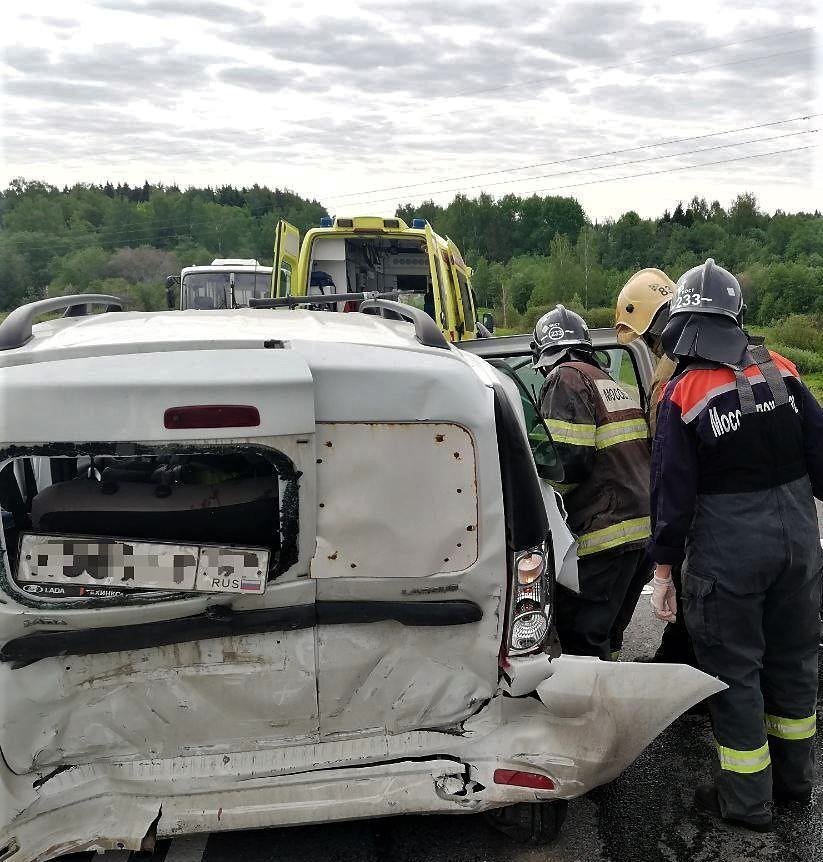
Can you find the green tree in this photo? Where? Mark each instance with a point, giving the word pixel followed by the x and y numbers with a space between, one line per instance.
pixel 78 269
pixel 744 213
pixel 15 280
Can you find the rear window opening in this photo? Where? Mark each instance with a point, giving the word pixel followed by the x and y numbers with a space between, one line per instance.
pixel 127 516
pixel 373 263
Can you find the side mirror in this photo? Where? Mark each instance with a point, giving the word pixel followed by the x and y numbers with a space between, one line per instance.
pixel 488 321
pixel 171 284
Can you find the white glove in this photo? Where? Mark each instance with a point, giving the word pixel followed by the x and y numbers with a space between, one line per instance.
pixel 663 601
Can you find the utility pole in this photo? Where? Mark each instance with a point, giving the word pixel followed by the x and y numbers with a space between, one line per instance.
pixel 505 305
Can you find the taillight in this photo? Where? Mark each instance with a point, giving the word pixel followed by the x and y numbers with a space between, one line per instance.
pixel 212 416
pixel 515 778
pixel 530 611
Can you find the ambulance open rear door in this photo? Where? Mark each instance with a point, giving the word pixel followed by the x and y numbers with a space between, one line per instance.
pixel 286 258
pixel 441 286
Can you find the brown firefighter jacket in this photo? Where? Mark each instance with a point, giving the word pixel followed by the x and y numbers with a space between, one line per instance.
pixel 602 438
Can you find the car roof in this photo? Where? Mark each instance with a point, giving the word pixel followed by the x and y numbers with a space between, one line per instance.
pixel 118 333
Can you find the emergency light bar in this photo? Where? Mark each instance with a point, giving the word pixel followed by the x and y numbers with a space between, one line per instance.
pixel 72 567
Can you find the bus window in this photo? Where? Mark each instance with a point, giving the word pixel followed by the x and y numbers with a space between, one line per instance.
pixel 206 290
pixel 251 285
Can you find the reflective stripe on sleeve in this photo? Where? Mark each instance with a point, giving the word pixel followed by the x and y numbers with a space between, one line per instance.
pixel 791 728
pixel 571 433
pixel 613 536
pixel 743 762
pixel 621 432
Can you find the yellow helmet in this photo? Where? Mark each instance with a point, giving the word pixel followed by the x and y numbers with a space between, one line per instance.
pixel 642 296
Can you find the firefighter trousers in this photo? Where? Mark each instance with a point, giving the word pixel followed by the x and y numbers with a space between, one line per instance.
pixel 585 621
pixel 751 593
pixel 641 577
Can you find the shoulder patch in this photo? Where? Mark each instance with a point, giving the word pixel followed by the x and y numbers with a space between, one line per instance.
pixel 694 388
pixel 615 398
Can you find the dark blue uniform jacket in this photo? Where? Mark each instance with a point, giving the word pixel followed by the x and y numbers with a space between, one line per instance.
pixel 704 446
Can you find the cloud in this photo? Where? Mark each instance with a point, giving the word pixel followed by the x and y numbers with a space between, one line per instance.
pixel 60 23
pixel 416 90
pixel 265 79
pixel 113 73
pixel 208 10
pixel 24 57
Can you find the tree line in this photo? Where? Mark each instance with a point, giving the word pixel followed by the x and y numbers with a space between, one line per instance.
pixel 125 240
pixel 530 253
pixel 527 252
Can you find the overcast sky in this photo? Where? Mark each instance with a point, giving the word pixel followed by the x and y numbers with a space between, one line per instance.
pixel 363 105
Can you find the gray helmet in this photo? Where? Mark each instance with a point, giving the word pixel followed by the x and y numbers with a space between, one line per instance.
pixel 705 317
pixel 556 333
pixel 708 289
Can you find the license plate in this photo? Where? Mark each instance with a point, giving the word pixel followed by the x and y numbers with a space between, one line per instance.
pixel 73 566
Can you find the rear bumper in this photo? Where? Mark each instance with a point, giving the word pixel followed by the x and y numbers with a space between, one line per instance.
pixel 106 813
pixel 590 721
pixel 106 808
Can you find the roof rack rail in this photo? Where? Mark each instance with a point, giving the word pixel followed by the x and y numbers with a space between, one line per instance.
pixel 426 330
pixel 15 330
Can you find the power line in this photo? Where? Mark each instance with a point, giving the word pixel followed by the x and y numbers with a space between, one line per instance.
pixel 615 165
pixel 673 170
pixel 146 233
pixel 575 158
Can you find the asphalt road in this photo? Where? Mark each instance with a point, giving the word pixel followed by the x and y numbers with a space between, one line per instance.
pixel 644 816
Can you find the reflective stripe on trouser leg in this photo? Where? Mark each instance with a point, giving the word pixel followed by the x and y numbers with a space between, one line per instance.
pixel 791 728
pixel 793 751
pixel 790 668
pixel 743 762
pixel 728 641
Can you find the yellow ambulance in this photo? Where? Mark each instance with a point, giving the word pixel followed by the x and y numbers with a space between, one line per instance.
pixel 373 255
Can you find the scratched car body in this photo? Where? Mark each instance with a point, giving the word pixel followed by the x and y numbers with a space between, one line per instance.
pixel 278 567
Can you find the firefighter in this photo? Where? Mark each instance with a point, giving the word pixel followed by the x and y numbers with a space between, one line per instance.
pixel 737 458
pixel 642 311
pixel 602 440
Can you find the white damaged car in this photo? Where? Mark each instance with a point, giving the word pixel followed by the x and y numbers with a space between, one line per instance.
pixel 278 567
